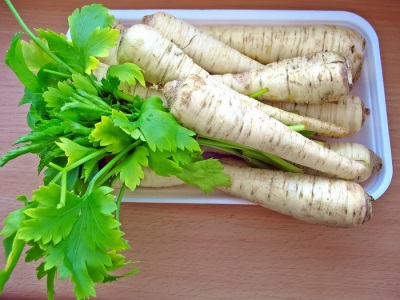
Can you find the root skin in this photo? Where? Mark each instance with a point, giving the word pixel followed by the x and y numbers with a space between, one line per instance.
pixel 268 44
pixel 161 60
pixel 208 52
pixel 202 106
pixel 313 199
pixel 319 77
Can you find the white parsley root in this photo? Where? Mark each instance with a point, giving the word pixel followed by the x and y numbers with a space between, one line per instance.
pixel 348 112
pixel 313 78
pixel 273 43
pixel 354 151
pixel 318 127
pixel 314 199
pixel 152 180
pixel 162 63
pixel 206 51
pixel 201 105
pixel 310 198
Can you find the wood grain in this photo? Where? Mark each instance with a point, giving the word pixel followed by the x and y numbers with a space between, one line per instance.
pixel 224 251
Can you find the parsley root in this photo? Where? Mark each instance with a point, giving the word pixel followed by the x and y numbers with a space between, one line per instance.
pixel 354 151
pixel 162 63
pixel 206 51
pixel 348 112
pixel 273 43
pixel 307 197
pixel 201 105
pixel 318 127
pixel 314 78
pixel 310 198
pixel 151 179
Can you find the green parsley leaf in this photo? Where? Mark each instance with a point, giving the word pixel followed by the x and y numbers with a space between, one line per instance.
pixel 14 153
pixel 84 83
pixel 205 174
pixel 13 246
pixel 121 120
pixel 48 223
pixel 47 130
pixel 118 261
pixel 13 222
pixel 35 99
pixel 51 74
pixel 57 97
pixel 83 254
pixel 35 57
pixel 83 22
pixel 51 278
pixel 91 34
pixel 98 44
pixel 35 252
pixel 16 61
pixel 88 107
pixel 163 164
pixel 12 259
pixel 130 169
pixel 161 130
pixel 111 136
pixel 65 50
pixel 127 72
pixel 71 124
pixel 73 150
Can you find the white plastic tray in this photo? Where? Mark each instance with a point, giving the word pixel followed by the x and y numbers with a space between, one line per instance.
pixel 370 87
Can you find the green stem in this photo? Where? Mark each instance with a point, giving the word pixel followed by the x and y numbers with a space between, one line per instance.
pixel 76 164
pixel 119 200
pixel 63 195
pixel 268 158
pixel 96 85
pixel 109 166
pixel 35 39
pixel 124 96
pixel 51 278
pixel 252 161
pixel 104 178
pixel 85 159
pixel 258 93
pixel 274 160
pixel 216 145
pixel 107 175
pixel 299 127
pixel 321 143
pixel 63 174
pixel 57 73
pixel 11 261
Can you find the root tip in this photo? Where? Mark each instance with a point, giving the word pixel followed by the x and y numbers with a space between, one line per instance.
pixel 376 161
pixel 368 212
pixel 147 19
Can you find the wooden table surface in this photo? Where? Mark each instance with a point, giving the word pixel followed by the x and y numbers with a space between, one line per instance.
pixel 224 251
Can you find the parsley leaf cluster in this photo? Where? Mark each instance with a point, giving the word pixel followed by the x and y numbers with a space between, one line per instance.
pixel 88 134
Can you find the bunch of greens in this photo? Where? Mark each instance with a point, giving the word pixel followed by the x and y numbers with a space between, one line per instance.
pixel 88 134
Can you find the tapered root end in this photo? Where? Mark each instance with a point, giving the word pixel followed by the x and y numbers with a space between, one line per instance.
pixel 368 212
pixel 349 76
pixel 365 112
pixel 147 19
pixel 359 60
pixel 376 161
